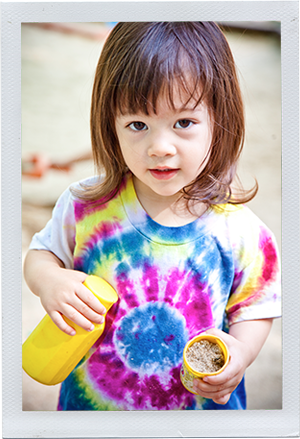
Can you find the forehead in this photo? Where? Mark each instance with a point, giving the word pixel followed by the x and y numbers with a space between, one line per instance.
pixel 181 102
pixel 183 94
pixel 178 95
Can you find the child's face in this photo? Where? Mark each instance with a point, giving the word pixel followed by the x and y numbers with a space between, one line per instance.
pixel 165 151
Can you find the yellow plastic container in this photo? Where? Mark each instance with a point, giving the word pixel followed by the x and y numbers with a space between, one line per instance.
pixel 188 374
pixel 49 355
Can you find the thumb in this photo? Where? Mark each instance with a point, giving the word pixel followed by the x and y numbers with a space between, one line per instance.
pixel 221 334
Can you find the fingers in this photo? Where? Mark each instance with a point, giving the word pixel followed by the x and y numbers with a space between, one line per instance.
pixel 204 388
pixel 88 298
pixel 61 323
pixel 76 317
pixel 219 394
pixel 69 298
pixel 81 314
pixel 221 334
pixel 222 400
pixel 218 387
pixel 84 308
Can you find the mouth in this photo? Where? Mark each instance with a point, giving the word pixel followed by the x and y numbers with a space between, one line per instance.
pixel 163 173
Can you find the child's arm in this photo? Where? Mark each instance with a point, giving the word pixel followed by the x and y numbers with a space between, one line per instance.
pixel 61 291
pixel 244 341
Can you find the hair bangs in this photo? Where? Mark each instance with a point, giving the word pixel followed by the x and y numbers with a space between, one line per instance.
pixel 158 72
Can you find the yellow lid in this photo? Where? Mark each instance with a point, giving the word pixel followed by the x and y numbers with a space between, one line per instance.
pixel 102 290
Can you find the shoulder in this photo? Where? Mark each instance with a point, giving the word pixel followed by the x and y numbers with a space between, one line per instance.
pixel 88 198
pixel 83 184
pixel 246 234
pixel 240 219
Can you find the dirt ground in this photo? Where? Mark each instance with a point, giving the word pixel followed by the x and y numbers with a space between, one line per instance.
pixel 57 76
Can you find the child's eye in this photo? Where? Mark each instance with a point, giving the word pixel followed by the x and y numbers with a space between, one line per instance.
pixel 137 126
pixel 184 123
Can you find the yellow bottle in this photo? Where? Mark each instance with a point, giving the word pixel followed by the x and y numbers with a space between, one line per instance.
pixel 49 355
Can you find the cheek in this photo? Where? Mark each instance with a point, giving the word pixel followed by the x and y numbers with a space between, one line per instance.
pixel 198 158
pixel 201 150
pixel 126 156
pixel 131 157
pixel 206 150
pixel 128 151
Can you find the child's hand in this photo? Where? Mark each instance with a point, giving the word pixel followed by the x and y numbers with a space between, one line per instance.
pixel 63 293
pixel 219 387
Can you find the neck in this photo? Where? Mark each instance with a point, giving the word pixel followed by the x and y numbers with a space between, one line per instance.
pixel 169 211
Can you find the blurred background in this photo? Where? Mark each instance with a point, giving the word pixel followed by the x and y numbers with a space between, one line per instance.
pixel 58 65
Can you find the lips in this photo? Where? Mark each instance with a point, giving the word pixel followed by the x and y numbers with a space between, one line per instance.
pixel 163 173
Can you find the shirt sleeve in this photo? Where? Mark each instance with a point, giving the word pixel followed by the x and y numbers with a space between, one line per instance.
pixel 58 236
pixel 256 290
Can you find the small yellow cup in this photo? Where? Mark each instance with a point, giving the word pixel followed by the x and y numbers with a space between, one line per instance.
pixel 188 374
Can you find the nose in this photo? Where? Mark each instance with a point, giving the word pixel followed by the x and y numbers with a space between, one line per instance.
pixel 161 145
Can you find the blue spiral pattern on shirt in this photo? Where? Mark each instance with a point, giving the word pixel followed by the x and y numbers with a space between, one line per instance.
pixel 151 337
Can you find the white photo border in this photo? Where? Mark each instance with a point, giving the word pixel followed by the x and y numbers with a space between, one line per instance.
pixel 146 424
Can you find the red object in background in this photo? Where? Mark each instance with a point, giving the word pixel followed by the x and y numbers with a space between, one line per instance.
pixel 38 164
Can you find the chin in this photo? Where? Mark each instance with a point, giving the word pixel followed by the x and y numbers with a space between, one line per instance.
pixel 168 193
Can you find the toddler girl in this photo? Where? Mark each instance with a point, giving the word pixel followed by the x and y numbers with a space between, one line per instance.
pixel 162 223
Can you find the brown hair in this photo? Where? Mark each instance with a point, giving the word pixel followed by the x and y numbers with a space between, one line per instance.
pixel 139 61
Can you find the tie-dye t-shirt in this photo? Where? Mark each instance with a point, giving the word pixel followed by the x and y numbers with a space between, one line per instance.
pixel 172 283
